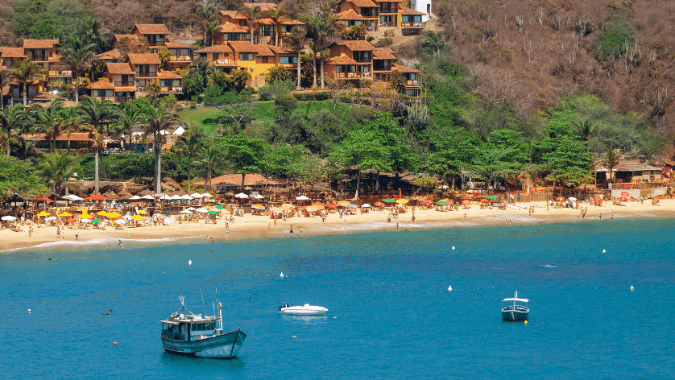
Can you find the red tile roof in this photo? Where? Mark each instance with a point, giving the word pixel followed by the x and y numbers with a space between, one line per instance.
pixel 163 74
pixel 54 58
pixel 288 21
pixel 341 60
pixel 363 3
pixel 279 50
pixel 101 84
pixel 359 45
pixel 410 12
pixel 119 69
pixel 234 15
pixel 151 29
pixel 13 53
pixel 144 59
pixel 265 21
pixel 349 15
pixel 75 136
pixel 215 49
pixel 229 27
pixel 243 46
pixel 132 37
pixel 235 180
pixel 111 54
pixel 403 69
pixel 40 44
pixel 383 53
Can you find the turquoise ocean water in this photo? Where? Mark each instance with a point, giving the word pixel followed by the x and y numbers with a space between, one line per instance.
pixel 388 290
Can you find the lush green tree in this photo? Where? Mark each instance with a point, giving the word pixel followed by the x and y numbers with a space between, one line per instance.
pixel 323 28
pixel 73 121
pixel 397 81
pixel 56 168
pixel 205 14
pixel 276 74
pixel 210 159
pixel 98 139
pixel 505 153
pixel 97 112
pixel 564 156
pixel 189 146
pixel 50 121
pixel 12 118
pixel 296 41
pixel 240 79
pixel 25 150
pixel 25 71
pixel 585 129
pixel 245 154
pixel 158 119
pixel 615 39
pixel 611 159
pixel 212 29
pixel 354 32
pixel 253 14
pixel 77 55
pixel 20 178
pixel 129 119
pixel 276 15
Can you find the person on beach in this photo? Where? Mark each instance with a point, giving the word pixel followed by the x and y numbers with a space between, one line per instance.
pixel 77 234
pixel 612 218
pixel 269 227
pixel 464 216
pixel 396 226
pixel 600 216
pixel 291 228
pixel 211 239
pixel 30 231
pixel 275 221
pixel 119 242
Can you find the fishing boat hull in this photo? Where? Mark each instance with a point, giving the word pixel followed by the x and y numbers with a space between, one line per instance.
pixel 314 311
pixel 225 346
pixel 510 315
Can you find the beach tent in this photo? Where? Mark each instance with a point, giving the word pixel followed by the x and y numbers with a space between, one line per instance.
pixel 179 131
pixel 302 198
pixel 202 210
pixel 241 195
pixel 96 197
pixel 207 195
pixel 8 218
pixel 185 212
pixel 148 197
pixel 135 198
pixel 196 195
pixel 365 205
pixel 186 197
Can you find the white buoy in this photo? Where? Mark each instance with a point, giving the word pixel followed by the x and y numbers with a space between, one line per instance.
pixel 453 247
pixel 281 275
pixel 450 288
pixel 189 262
pixel 632 288
pixel 604 251
pixel 29 311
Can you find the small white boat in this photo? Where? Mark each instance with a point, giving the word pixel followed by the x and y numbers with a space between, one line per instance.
pixel 518 311
pixel 305 309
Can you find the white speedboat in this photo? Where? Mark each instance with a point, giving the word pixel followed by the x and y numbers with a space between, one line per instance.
pixel 305 309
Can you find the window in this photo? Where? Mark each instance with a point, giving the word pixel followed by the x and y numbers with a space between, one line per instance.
pixel 286 28
pixel 245 56
pixel 176 83
pixel 242 22
pixel 264 60
pixel 288 60
pixel 109 93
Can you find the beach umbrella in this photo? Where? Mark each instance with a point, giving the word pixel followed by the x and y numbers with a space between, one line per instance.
pixel 196 195
pixel 142 212
pixel 402 201
pixel 43 199
pixel 332 206
pixel 65 213
pixel 43 213
pixel 220 207
pixel 137 217
pixel 120 221
pixel 560 199
pixel 484 200
pixel 213 212
pixel 428 201
pixel 623 199
pixel 86 220
pixel 97 220
pixel 258 207
pixel 186 197
pixel 73 197
pixel 343 203
pixel 491 197
pixel 572 199
pixel 127 217
pixel 96 197
pixel 190 208
pixel 202 210
pixel 71 220
pixel 148 197
pixel 466 202
pixel 50 218
pixel 353 206
pixel 379 204
pixel 176 197
pixel 365 205
pixel 388 200
pixel 317 204
pixel 311 208
pixel 625 194
pixel 257 196
pixel 114 215
pixel 8 218
pixel 441 203
pixel 207 195
pixel 287 207
pixel 185 212
pixel 302 198
pixel 241 195
pixel 135 198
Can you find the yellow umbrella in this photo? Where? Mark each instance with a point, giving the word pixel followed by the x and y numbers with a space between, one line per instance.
pixel 65 213
pixel 44 213
pixel 113 214
pixel 319 208
pixel 258 207
pixel 137 217
pixel 312 208
pixel 86 216
pixel 102 213
pixel 404 201
pixel 286 206
pixel 143 212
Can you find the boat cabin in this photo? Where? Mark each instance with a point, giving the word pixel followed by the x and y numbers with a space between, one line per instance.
pixel 189 328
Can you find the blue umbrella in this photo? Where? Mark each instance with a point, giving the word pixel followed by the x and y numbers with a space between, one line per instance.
pixel 353 206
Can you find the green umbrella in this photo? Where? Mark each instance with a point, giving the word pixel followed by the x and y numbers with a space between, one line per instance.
pixel 213 212
pixel 387 200
pixel 220 207
pixel 491 197
pixel 97 220
pixel 441 203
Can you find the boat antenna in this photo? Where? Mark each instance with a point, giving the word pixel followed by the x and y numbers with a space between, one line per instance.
pixel 203 304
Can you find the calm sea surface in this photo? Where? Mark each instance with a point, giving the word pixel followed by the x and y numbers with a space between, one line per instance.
pixel 395 317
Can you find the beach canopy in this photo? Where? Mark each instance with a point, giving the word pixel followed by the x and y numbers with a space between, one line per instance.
pixel 176 197
pixel 379 204
pixel 441 203
pixel 213 212
pixel 8 218
pixel 148 197
pixel 97 220
pixel 135 198
pixel 625 194
pixel 207 195
pixel 241 195
pixel 50 218
pixel 185 212
pixel 428 201
pixel 196 195
pixel 102 213
pixel 43 213
pixel 86 220
pixel 402 201
pixel 186 197
pixel 484 200
pixel 353 206
pixel 343 203
pixel 572 199
pixel 220 207
pixel 257 196
pixel 43 199
pixel 258 207
pixel 71 220
pixel 302 198
pixel 332 206
pixel 491 197
pixel 120 221
pixel 388 200
pixel 365 205
pixel 202 210
pixel 96 197
pixel 142 212
pixel 73 197
pixel 466 202
pixel 65 213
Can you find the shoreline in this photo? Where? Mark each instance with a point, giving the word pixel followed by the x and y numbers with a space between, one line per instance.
pixel 256 227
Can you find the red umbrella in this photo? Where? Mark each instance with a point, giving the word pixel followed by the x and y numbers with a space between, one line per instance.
pixel 625 194
pixel 623 199
pixel 117 218
pixel 560 199
pixel 332 206
pixel 317 204
pixel 43 199
pixel 484 200
pixel 96 197
pixel 70 220
pixel 466 202
pixel 379 204
pixel 428 201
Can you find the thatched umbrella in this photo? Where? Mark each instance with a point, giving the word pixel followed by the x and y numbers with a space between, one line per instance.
pixel 146 192
pixel 229 194
pixel 110 195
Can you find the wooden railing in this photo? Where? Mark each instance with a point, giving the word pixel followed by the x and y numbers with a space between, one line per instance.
pixel 388 9
pixel 172 90
pixel 122 99
pixel 354 75
pixel 146 74
pixel 412 83
pixel 411 24
pixel 180 58
pixel 123 84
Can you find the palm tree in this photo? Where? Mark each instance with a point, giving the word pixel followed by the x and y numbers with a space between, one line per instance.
pixel 97 142
pixel 73 121
pixel 159 119
pixel 210 158
pixel 50 121
pixel 57 168
pixel 12 117
pixel 275 15
pixel 189 146
pixel 26 70
pixel 78 56
pixel 296 42
pixel 205 13
pixel 4 79
pixel 96 112
pixel 130 119
pixel 25 150
pixel 585 129
pixel 324 30
pixel 212 29
pixel 253 14
pixel 611 160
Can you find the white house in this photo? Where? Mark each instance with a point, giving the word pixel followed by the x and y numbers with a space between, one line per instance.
pixel 423 6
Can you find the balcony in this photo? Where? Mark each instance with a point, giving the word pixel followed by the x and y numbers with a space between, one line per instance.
pixel 140 88
pixel 156 43
pixel 352 75
pixel 387 24
pixel 123 84
pixel 381 67
pixel 180 58
pixel 368 13
pixel 104 98
pixel 363 58
pixel 146 74
pixel 123 99
pixel 171 90
pixel 39 58
pixel 411 25
pixel 412 83
pixel 266 33
pixel 388 9
pixel 223 62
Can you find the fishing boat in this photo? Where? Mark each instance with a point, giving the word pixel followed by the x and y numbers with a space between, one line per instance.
pixel 189 334
pixel 518 311
pixel 305 309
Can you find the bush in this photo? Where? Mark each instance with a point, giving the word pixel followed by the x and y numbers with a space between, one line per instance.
pixel 383 42
pixel 312 96
pixel 389 33
pixel 119 166
pixel 613 40
pixel 275 90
